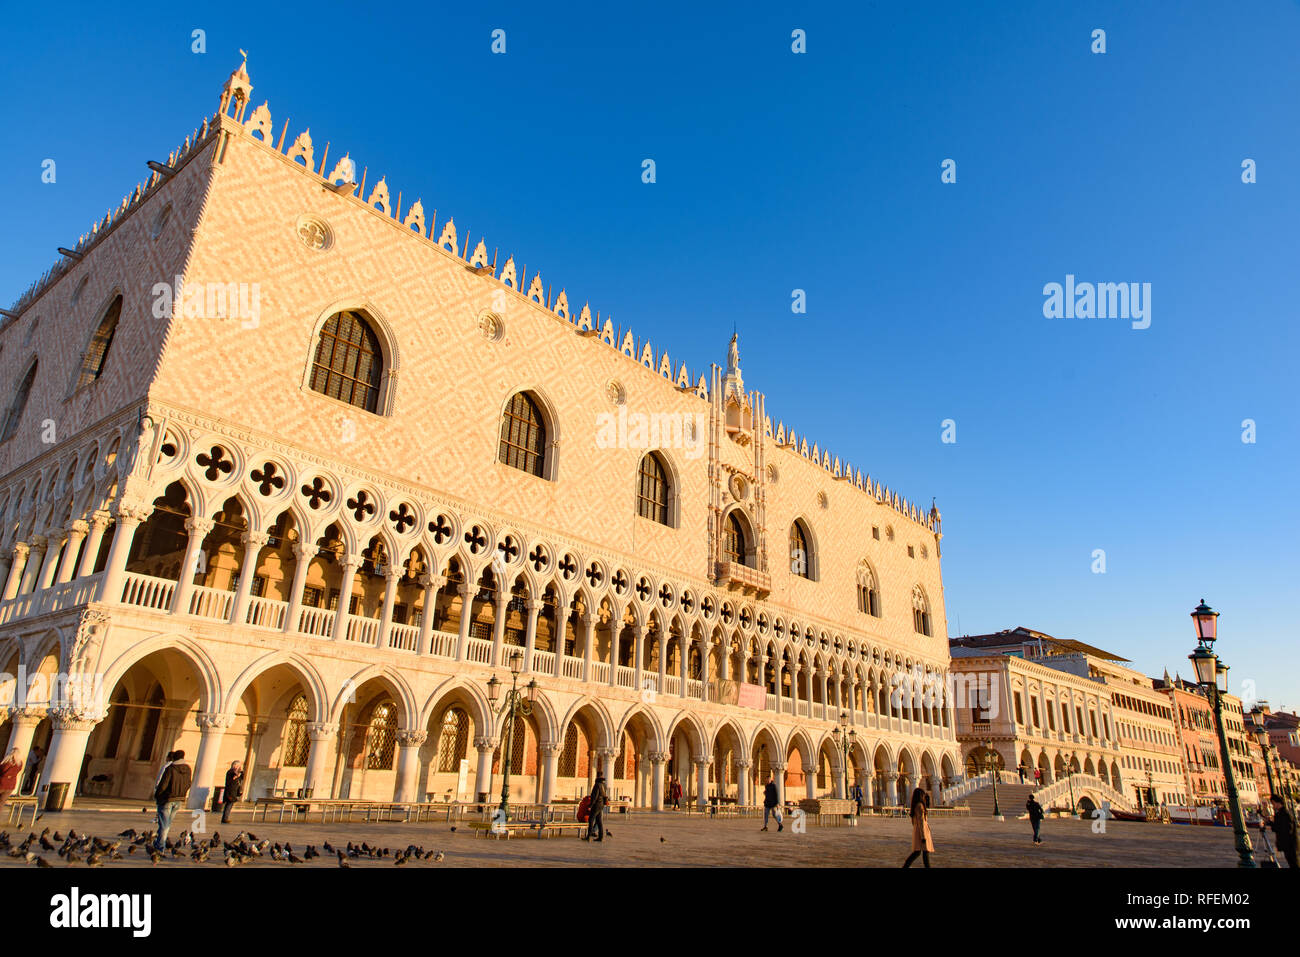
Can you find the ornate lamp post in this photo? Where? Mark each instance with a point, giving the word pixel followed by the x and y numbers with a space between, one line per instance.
pixel 844 739
pixel 1261 736
pixel 516 702
pixel 1069 776
pixel 993 774
pixel 1151 796
pixel 1212 675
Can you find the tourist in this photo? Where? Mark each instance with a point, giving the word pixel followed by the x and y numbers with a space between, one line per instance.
pixel 1035 816
pixel 677 794
pixel 172 788
pixel 1284 835
pixel 857 797
pixel 33 772
pixel 9 769
pixel 922 844
pixel 1020 769
pixel 770 806
pixel 596 810
pixel 234 790
pixel 1038 777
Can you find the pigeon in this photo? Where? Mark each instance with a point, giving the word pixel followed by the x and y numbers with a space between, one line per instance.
pixel 438 858
pixel 155 857
pixel 661 840
pixel 94 860
pixel 453 829
pixel 128 833
pixel 42 862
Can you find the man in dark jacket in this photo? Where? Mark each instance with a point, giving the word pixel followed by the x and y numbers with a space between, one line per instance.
pixel 1035 816
pixel 770 806
pixel 172 788
pixel 234 790
pixel 596 811
pixel 1284 830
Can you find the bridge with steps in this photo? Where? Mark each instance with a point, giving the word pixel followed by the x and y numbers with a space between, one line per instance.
pixel 1088 790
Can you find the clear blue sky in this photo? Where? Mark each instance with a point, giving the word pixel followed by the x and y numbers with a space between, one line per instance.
pixel 821 171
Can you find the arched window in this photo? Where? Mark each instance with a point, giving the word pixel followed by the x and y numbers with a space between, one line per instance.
pixel 19 404
pixel 523 435
pixel 800 556
pixel 920 612
pixel 733 540
pixel 297 741
pixel 454 740
pixel 652 489
pixel 868 592
pixel 92 367
pixel 381 737
pixel 349 363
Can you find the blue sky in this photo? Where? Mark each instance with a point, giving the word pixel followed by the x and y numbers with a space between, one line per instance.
pixel 821 172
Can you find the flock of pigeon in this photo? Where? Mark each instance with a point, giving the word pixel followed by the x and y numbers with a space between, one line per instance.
pixel 77 849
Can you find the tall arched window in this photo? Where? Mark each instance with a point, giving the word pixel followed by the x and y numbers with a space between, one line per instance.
pixel 920 612
pixel 800 556
pixel 19 404
pixel 734 546
pixel 652 489
pixel 381 737
pixel 454 740
pixel 92 367
pixel 868 592
pixel 523 435
pixel 349 364
pixel 297 741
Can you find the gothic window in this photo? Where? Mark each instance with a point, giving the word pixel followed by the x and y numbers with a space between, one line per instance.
pixel 349 363
pixel 800 556
pixel 454 740
pixel 19 404
pixel 920 612
pixel 733 541
pixel 523 435
pixel 569 756
pixel 297 742
pixel 652 489
pixel 92 367
pixel 381 737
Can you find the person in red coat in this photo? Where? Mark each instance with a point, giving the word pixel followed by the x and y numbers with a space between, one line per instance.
pixel 9 769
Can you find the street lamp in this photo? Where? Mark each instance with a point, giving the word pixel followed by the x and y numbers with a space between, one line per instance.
pixel 1261 736
pixel 1212 675
pixel 516 702
pixel 845 737
pixel 993 774
pixel 1069 776
pixel 1151 791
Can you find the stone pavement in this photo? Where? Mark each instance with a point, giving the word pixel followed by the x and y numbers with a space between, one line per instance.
pixel 667 839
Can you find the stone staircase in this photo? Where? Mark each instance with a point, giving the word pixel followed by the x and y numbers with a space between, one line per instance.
pixel 1011 800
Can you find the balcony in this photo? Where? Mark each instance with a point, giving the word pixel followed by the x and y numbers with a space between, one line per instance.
pixel 743 578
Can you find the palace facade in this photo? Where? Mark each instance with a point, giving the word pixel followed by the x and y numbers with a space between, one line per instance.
pixel 290 474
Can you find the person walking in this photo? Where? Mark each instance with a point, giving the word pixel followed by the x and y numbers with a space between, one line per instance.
pixel 9 769
pixel 32 774
pixel 922 843
pixel 1038 776
pixel 1283 827
pixel 677 794
pixel 857 797
pixel 596 810
pixel 173 786
pixel 1035 816
pixel 234 790
pixel 770 806
pixel 1020 769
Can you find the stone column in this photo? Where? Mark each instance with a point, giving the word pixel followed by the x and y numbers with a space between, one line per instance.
pixel 23 722
pixel 606 757
pixel 663 662
pixel 431 583
pixel 742 781
pixel 323 737
pixel 638 654
pixel 392 575
pixel 588 643
pixel 50 566
pixel 500 603
pixel 254 734
pixel 67 752
pixel 406 788
pixel 77 530
pixel 349 565
pixel 35 564
pixel 302 556
pixel 683 659
pixel 212 729
pixel 253 542
pixel 485 744
pixel 702 781
pixel 550 769
pixel 891 789
pixel 128 518
pixel 16 568
pixel 706 646
pixel 99 522
pixel 198 529
pixel 534 607
pixel 657 761
pixel 466 613
pixel 615 632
